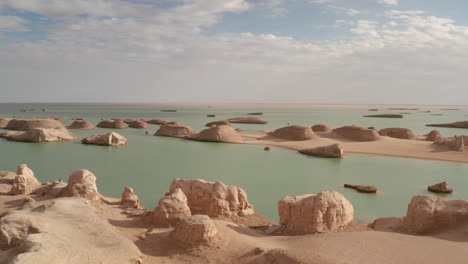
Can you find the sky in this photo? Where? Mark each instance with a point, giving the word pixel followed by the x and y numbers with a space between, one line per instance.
pixel 235 51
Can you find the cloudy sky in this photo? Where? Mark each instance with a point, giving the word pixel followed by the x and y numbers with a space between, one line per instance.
pixel 283 51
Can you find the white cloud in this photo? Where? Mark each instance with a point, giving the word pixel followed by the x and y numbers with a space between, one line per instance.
pixel 344 10
pixel 12 24
pixel 389 2
pixel 276 7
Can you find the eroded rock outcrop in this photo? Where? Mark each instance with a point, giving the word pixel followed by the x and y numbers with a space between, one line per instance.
pixel 40 135
pixel 293 133
pixel 81 124
pixel 321 128
pixel 108 139
pixel 196 231
pixel 397 132
pixel 116 124
pixel 4 122
pixel 175 131
pixel 248 120
pixel 433 135
pixel 311 213
pixel 174 123
pixel 456 143
pixel 171 209
pixel 440 188
pixel 129 198
pixel 25 182
pixel 81 183
pixel 31 123
pixel 356 133
pixel 362 188
pixel 221 133
pixel 460 124
pixel 330 151
pixel 385 116
pixel 137 124
pixel 157 121
pixel 218 123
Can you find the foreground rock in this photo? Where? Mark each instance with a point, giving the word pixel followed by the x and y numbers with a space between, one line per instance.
pixel 356 133
pixel 433 135
pixel 40 135
pixel 137 124
pixel 81 124
pixel 460 124
pixel 222 133
pixel 362 188
pixel 25 182
pixel 331 151
pixel 321 128
pixel 196 231
pixel 171 209
pixel 175 131
pixel 129 199
pixel 116 124
pixel 157 121
pixel 385 116
pixel 108 139
pixel 62 231
pixel 440 188
pixel 81 183
pixel 218 123
pixel 397 132
pixel 248 120
pixel 293 133
pixel 28 124
pixel 311 213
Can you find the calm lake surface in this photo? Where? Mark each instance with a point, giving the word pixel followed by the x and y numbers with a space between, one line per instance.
pixel 149 163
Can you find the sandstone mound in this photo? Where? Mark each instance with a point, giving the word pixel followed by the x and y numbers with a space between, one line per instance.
pixel 214 199
pixel 321 128
pixel 222 133
pixel 460 124
pixel 171 209
pixel 331 151
pixel 440 188
pixel 25 182
pixel 174 123
pixel 433 135
pixel 356 133
pixel 428 214
pixel 293 133
pixel 125 120
pixel 4 122
pixel 385 116
pixel 175 131
pixel 108 139
pixel 310 213
pixel 197 230
pixel 247 120
pixel 28 124
pixel 129 198
pixel 81 124
pixel 81 183
pixel 62 231
pixel 40 135
pixel 116 124
pixel 137 124
pixel 397 132
pixel 157 122
pixel 218 123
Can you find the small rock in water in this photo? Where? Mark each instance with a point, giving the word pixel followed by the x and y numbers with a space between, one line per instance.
pixel 267 149
pixel 146 132
pixel 440 188
pixel 362 188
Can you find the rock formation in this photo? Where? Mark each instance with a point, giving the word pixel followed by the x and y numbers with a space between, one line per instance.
pixel 386 116
pixel 157 121
pixel 40 135
pixel 460 124
pixel 107 139
pixel 222 133
pixel 433 135
pixel 293 133
pixel 174 123
pixel 311 213
pixel 247 120
pixel 218 123
pixel 4 122
pixel 137 124
pixel 81 124
pixel 356 133
pixel 362 188
pixel 28 124
pixel 255 113
pixel 116 124
pixel 440 188
pixel 81 183
pixel 197 230
pixel 321 128
pixel 214 199
pixel 171 209
pixel 330 151
pixel 129 199
pixel 25 182
pixel 175 131
pixel 397 132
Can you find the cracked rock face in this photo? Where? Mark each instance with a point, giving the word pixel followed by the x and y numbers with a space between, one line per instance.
pixel 81 183
pixel 25 182
pixel 197 230
pixel 171 209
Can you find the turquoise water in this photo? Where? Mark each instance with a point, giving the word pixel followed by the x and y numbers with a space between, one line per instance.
pixel 149 163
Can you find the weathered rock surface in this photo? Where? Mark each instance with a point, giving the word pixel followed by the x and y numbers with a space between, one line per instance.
pixel 197 230
pixel 218 123
pixel 397 132
pixel 137 124
pixel 108 139
pixel 62 231
pixel 321 128
pixel 175 131
pixel 28 124
pixel 356 133
pixel 330 151
pixel 310 213
pixel 385 116
pixel 171 209
pixel 433 135
pixel 362 188
pixel 129 198
pixel 428 214
pixel 248 120
pixel 25 182
pixel 221 133
pixel 4 122
pixel 214 199
pixel 81 124
pixel 293 133
pixel 460 124
pixel 40 135
pixel 440 188
pixel 116 124
pixel 81 183
pixel 456 143
pixel 157 121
